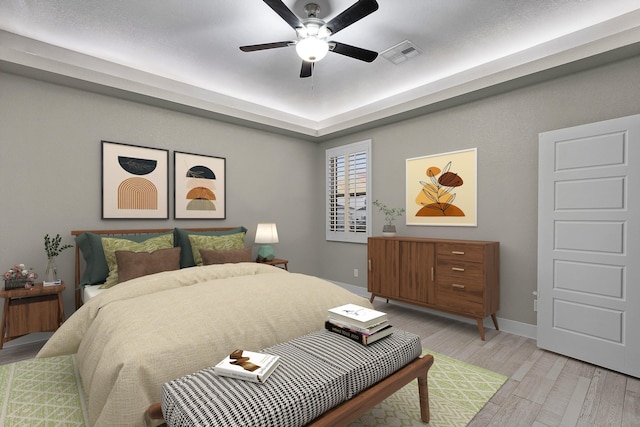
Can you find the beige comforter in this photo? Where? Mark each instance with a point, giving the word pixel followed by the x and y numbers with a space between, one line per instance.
pixel 144 332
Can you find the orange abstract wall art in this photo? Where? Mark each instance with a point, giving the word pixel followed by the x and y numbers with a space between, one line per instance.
pixel 442 189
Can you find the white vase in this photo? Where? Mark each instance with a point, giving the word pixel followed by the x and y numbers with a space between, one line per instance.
pixel 51 272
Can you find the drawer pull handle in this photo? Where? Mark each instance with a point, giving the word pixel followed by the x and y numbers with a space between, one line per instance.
pixel 369 262
pixel 457 252
pixel 456 286
pixel 457 268
pixel 432 275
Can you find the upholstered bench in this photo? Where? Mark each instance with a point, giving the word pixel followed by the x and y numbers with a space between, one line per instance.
pixel 323 379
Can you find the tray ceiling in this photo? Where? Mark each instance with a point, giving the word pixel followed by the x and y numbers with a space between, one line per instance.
pixel 186 52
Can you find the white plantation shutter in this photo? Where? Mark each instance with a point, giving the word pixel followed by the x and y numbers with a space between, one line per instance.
pixel 348 181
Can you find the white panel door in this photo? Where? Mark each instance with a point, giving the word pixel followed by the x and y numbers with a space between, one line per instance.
pixel 589 243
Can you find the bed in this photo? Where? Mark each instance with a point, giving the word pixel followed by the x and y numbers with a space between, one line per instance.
pixel 132 338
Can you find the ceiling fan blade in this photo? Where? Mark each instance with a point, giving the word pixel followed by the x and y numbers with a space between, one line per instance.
pixel 354 52
pixel 263 46
pixel 354 13
pixel 306 70
pixel 285 13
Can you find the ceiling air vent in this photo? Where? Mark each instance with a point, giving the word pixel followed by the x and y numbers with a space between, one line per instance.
pixel 401 52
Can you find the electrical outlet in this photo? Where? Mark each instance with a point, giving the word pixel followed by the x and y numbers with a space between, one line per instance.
pixel 355 272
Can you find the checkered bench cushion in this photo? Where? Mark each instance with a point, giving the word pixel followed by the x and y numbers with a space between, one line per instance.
pixel 365 366
pixel 316 372
pixel 298 391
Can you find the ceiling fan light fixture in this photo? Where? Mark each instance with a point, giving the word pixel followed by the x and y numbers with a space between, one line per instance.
pixel 314 33
pixel 312 49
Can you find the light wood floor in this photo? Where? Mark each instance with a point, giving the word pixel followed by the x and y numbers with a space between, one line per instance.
pixel 543 389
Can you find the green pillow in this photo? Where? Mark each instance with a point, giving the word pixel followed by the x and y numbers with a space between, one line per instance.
pixel 181 238
pixel 90 245
pixel 110 245
pixel 230 241
pixel 96 269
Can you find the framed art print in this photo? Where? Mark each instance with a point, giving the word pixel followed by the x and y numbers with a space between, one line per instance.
pixel 135 182
pixel 200 186
pixel 442 189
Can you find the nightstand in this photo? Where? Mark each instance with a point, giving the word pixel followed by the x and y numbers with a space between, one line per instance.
pixel 277 262
pixel 39 309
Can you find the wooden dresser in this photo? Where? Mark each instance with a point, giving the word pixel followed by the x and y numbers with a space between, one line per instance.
pixel 455 276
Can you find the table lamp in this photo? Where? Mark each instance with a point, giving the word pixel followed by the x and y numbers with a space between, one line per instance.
pixel 266 233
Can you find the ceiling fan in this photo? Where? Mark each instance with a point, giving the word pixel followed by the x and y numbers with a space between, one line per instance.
pixel 313 33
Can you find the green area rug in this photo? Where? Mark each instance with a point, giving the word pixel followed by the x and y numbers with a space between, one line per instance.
pixel 457 392
pixel 47 392
pixel 41 392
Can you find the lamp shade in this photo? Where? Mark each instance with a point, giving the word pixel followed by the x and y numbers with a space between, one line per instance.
pixel 312 49
pixel 267 233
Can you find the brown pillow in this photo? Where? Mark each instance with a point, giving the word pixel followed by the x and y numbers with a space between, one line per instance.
pixel 212 256
pixel 138 264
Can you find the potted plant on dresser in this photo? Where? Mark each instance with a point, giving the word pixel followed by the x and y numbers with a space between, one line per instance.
pixel 390 215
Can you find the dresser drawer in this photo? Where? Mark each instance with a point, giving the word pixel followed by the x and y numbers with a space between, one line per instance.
pixel 472 289
pixel 455 269
pixel 460 251
pixel 463 300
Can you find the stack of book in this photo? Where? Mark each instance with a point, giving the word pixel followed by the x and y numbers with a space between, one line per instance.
pixel 361 324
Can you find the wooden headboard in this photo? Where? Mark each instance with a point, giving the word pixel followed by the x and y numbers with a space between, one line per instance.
pixel 136 231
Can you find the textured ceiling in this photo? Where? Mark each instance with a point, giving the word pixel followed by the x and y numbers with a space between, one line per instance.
pixel 188 50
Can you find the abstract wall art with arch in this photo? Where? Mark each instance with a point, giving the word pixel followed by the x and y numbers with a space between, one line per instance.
pixel 135 182
pixel 442 189
pixel 200 186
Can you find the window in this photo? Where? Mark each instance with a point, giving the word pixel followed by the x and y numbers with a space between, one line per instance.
pixel 349 186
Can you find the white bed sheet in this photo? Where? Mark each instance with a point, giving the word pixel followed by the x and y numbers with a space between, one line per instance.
pixel 89 292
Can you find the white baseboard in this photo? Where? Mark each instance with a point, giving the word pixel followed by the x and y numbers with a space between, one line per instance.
pixel 511 326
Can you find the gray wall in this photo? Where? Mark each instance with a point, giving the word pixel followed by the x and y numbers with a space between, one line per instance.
pixel 504 128
pixel 50 170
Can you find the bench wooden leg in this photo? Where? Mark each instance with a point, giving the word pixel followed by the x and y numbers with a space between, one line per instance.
pixel 352 409
pixel 423 390
pixel 155 412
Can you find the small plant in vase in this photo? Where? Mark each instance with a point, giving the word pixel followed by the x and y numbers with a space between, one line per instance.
pixel 53 248
pixel 390 215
